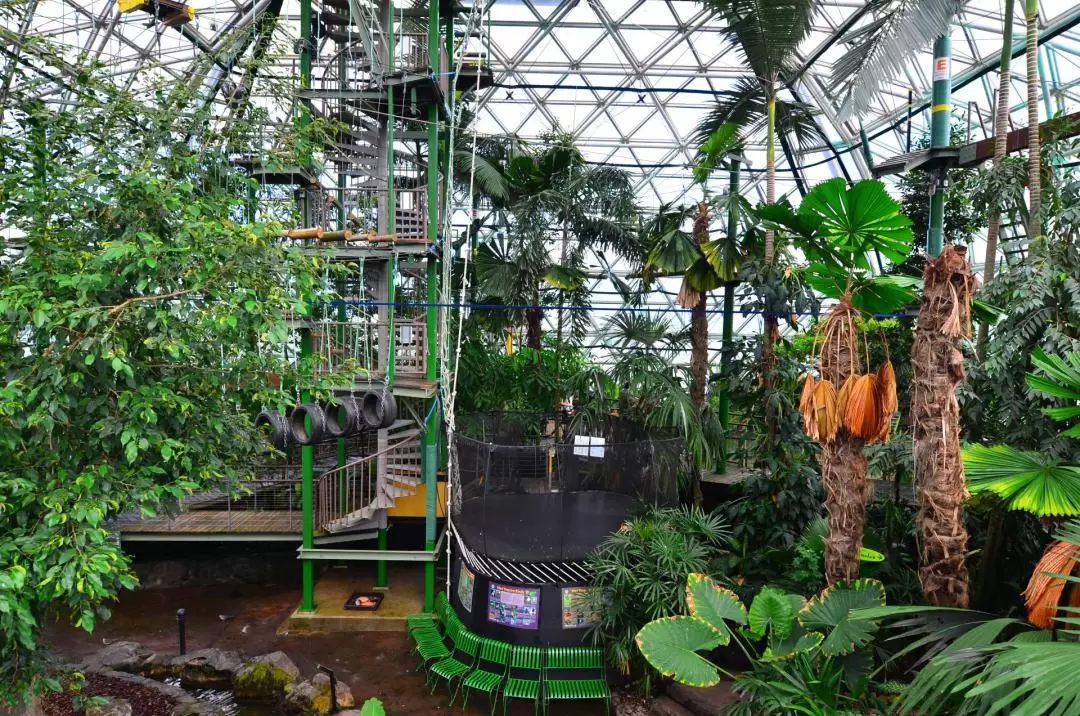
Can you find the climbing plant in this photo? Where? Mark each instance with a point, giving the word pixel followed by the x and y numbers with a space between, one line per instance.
pixel 139 311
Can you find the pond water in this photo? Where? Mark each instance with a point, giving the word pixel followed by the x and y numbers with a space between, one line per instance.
pixel 225 700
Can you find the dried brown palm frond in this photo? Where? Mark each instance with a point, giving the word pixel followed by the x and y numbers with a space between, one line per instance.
pixel 845 394
pixel 886 385
pixel 1043 593
pixel 862 416
pixel 807 394
pixel 821 419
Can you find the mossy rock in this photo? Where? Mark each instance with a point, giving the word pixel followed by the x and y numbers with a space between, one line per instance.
pixel 268 678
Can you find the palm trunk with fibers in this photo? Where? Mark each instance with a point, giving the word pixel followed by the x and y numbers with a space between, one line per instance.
pixel 532 322
pixel 843 464
pixel 771 322
pixel 1034 154
pixel 938 367
pixel 699 322
pixel 1001 132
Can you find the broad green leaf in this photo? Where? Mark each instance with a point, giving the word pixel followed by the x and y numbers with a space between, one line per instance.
pixel 671 644
pixel 1028 481
pixel 869 555
pixel 859 220
pixel 772 611
pixel 830 612
pixel 714 604
pixel 372 707
pixel 674 252
pixel 798 642
pixel 566 278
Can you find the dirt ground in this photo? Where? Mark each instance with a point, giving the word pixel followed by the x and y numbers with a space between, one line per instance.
pixel 245 618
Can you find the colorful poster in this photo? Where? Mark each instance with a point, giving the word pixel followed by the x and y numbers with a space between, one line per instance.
pixel 576 614
pixel 465 582
pixel 517 607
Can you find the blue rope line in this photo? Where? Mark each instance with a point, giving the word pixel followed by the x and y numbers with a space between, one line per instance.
pixel 612 309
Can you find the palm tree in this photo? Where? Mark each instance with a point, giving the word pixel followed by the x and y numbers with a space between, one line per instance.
pixel 837 228
pixel 767 33
pixel 705 264
pixel 1034 154
pixel 557 209
pixel 1001 132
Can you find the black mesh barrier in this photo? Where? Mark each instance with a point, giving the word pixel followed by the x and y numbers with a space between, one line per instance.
pixel 548 488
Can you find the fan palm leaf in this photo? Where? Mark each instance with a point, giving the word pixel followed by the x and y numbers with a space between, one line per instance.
pixel 766 33
pixel 1027 481
pixel 746 106
pixel 900 30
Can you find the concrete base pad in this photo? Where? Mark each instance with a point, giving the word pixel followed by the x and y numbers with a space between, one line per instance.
pixel 404 596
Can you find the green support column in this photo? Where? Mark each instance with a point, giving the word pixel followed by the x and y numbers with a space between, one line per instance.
pixel 940 136
pixel 391 265
pixel 307 452
pixel 307 496
pixel 724 407
pixel 1040 57
pixel 429 461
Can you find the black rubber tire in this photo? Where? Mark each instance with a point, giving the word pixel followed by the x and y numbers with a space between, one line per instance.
pixel 278 429
pixel 298 432
pixel 342 416
pixel 379 409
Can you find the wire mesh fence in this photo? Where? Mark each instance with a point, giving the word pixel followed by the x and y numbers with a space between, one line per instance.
pixel 551 487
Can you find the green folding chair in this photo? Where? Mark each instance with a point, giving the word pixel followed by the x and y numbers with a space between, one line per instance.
pixel 490 671
pixel 461 661
pixel 523 678
pixel 431 645
pixel 429 620
pixel 575 673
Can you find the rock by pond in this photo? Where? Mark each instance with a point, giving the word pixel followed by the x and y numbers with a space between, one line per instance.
pixel 207 668
pixel 313 697
pixel 267 679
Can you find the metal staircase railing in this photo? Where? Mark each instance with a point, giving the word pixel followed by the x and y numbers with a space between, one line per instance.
pixel 350 495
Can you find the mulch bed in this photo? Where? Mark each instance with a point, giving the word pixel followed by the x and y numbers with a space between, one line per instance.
pixel 144 701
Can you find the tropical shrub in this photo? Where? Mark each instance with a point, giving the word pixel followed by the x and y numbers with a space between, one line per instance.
pixel 639 572
pixel 978 663
pixel 806 656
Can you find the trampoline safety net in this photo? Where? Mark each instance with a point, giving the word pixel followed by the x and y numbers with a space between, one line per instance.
pixel 543 488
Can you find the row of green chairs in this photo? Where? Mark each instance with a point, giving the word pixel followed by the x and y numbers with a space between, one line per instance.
pixel 467 662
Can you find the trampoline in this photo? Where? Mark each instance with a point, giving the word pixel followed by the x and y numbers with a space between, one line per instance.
pixel 535 495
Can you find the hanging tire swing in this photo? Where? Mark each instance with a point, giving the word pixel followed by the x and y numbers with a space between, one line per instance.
pixel 342 416
pixel 275 427
pixel 298 429
pixel 379 409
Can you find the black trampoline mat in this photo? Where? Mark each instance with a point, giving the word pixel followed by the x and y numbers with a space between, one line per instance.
pixel 541 527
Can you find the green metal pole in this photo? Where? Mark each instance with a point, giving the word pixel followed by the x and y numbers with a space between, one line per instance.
pixel 430 454
pixel 724 407
pixel 307 495
pixel 940 114
pixel 1041 56
pixel 307 452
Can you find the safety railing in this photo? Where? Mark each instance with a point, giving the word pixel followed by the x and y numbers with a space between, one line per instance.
pixel 352 493
pixel 353 348
pixel 345 495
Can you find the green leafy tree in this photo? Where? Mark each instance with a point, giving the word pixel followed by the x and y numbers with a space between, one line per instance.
pixel 767 33
pixel 139 314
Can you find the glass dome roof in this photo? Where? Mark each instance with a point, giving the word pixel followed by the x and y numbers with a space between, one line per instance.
pixel 631 79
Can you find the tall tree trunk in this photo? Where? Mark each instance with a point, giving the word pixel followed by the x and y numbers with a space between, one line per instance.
pixel 1034 154
pixel 532 322
pixel 1001 131
pixel 843 464
pixel 699 322
pixel 938 367
pixel 771 322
